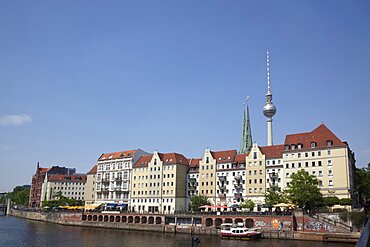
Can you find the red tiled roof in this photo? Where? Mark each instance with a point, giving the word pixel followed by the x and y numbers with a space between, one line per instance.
pixel 194 162
pixel 143 161
pixel 271 152
pixel 319 135
pixel 174 158
pixel 226 156
pixel 44 169
pixel 240 158
pixel 117 155
pixel 93 170
pixel 68 178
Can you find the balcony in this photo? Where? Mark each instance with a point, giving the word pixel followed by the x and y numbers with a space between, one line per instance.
pixel 222 196
pixel 192 187
pixel 273 175
pixel 238 186
pixel 222 178
pixel 192 180
pixel 118 179
pixel 238 195
pixel 118 188
pixel 105 188
pixel 222 187
pixel 238 177
pixel 105 179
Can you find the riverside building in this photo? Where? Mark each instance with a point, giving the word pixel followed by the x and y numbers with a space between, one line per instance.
pixel 113 177
pixel 158 183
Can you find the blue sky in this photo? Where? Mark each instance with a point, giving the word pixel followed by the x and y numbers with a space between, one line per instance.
pixel 81 78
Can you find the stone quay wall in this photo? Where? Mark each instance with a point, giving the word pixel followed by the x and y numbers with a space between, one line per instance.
pixel 280 227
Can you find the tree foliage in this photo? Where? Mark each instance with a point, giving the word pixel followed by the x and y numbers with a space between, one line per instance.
pixel 19 196
pixel 330 201
pixel 63 201
pixel 363 184
pixel 248 204
pixel 273 196
pixel 303 190
pixel 345 201
pixel 198 201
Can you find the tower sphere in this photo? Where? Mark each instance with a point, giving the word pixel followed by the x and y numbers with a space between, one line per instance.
pixel 269 110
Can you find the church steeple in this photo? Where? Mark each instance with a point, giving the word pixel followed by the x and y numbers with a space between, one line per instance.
pixel 246 141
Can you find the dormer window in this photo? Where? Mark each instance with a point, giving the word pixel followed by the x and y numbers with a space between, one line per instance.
pixel 287 147
pixel 313 144
pixel 292 146
pixel 299 145
pixel 329 143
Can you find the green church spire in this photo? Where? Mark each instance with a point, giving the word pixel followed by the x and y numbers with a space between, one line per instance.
pixel 246 141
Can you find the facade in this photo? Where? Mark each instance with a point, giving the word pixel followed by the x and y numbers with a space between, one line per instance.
pixel 70 186
pixel 322 154
pixel 113 177
pixel 90 186
pixel 158 183
pixel 38 180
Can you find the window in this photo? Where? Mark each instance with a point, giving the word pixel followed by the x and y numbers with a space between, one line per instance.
pixel 306 164
pixel 254 155
pixel 313 164
pixel 329 143
pixel 300 146
pixel 299 165
pixel 319 153
pixel 330 172
pixel 313 144
pixel 292 165
pixel 287 175
pixel 329 163
pixel 207 160
pixel 330 182
pixel 329 152
pixel 313 154
pixel 306 155
pixel 286 165
pixel 299 155
pixel 320 173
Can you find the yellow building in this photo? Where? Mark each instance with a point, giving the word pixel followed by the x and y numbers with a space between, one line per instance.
pixel 322 154
pixel 159 183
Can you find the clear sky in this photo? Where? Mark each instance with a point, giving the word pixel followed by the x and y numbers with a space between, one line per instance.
pixel 82 78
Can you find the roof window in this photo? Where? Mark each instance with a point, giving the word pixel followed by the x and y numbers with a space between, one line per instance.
pixel 329 143
pixel 313 144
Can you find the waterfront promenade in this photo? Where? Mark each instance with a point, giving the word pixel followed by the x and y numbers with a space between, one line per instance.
pixel 199 225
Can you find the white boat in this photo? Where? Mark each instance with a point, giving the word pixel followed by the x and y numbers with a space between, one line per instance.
pixel 239 232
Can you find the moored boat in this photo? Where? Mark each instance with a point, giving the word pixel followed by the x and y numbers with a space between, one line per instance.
pixel 239 232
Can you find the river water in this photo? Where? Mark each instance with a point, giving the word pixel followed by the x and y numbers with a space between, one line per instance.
pixel 21 232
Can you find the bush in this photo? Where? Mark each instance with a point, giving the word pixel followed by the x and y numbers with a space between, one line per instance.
pixel 343 216
pixel 345 201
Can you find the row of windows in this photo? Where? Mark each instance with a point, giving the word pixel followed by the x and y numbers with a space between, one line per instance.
pixel 320 174
pixel 306 164
pixel 68 188
pixel 167 175
pixel 329 143
pixel 145 185
pixel 114 166
pixel 69 183
pixel 154 192
pixel 152 200
pixel 306 154
pixel 146 169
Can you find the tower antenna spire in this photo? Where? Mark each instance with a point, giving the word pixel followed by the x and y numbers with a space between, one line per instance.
pixel 268 72
pixel 246 140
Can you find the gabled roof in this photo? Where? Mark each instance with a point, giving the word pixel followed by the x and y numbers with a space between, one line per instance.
pixel 93 170
pixel 194 162
pixel 118 155
pixel 67 178
pixel 226 156
pixel 271 152
pixel 143 161
pixel 319 135
pixel 173 158
pixel 240 158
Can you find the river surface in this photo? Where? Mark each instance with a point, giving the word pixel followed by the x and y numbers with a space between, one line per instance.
pixel 21 232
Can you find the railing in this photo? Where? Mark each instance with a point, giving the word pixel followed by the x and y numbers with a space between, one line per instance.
pixel 238 178
pixel 238 195
pixel 192 180
pixel 222 178
pixel 273 175
pixel 238 186
pixel 222 187
pixel 365 236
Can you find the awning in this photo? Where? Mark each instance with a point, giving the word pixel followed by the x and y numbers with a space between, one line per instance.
pixel 212 207
pixel 92 206
pixel 122 205
pixel 111 205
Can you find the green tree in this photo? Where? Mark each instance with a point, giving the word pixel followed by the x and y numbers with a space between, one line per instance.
pixel 248 204
pixel 345 201
pixel 303 190
pixel 274 196
pixel 20 196
pixel 363 184
pixel 330 201
pixel 198 201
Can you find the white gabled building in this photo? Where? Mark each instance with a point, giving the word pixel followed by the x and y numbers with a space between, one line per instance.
pixel 113 177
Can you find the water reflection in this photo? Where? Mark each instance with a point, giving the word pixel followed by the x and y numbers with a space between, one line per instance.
pixel 21 232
